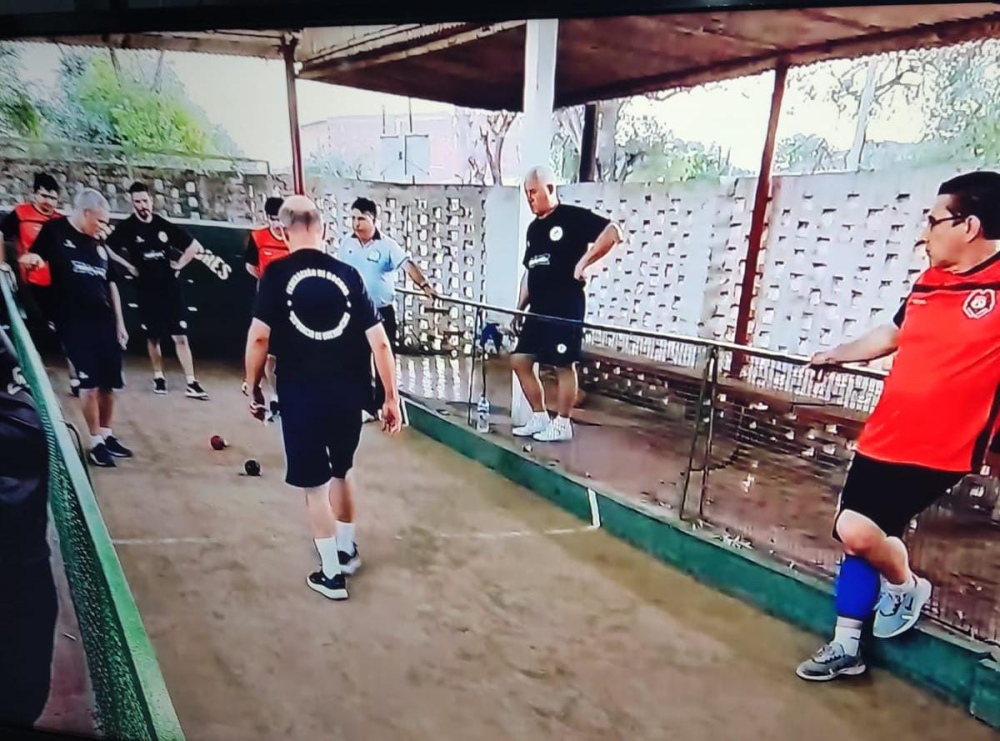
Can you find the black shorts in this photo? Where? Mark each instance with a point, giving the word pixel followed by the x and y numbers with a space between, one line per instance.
pixel 93 349
pixel 320 431
pixel 557 344
pixel 892 494
pixel 163 317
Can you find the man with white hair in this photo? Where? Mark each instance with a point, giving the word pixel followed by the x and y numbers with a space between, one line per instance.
pixel 563 243
pixel 88 313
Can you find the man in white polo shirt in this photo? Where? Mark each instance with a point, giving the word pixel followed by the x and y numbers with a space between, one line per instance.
pixel 378 258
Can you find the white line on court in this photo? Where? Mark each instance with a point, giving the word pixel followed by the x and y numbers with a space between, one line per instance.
pixel 164 541
pixel 595 524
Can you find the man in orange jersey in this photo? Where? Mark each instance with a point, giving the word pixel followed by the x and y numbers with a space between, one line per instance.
pixel 936 416
pixel 20 228
pixel 265 245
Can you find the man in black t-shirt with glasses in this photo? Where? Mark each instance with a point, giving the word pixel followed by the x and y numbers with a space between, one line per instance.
pixel 150 244
pixel 563 243
pixel 88 313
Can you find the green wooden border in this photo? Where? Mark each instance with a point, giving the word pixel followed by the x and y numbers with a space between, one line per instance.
pixel 159 716
pixel 953 668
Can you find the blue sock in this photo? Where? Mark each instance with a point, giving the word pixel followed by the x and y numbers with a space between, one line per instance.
pixel 857 589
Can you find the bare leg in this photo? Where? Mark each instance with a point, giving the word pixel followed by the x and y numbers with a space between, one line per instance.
pixel 568 387
pixel 184 355
pixel 91 411
pixel 322 523
pixel 105 408
pixel 531 385
pixel 342 500
pixel 863 538
pixel 155 356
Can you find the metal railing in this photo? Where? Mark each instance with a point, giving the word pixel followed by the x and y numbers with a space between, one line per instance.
pixel 750 443
pixel 130 694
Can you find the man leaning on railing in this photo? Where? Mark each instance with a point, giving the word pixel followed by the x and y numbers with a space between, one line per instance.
pixel 936 416
pixel 563 243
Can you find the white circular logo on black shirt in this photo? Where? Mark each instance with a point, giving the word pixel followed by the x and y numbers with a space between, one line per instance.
pixel 318 333
pixel 556 233
pixel 163 237
pixel 101 252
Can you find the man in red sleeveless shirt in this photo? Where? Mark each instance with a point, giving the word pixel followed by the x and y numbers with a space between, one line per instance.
pixel 265 245
pixel 20 228
pixel 934 421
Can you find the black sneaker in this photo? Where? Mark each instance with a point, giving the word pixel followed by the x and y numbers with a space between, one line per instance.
pixel 159 385
pixel 74 388
pixel 115 447
pixel 331 588
pixel 349 562
pixel 274 412
pixel 101 457
pixel 195 391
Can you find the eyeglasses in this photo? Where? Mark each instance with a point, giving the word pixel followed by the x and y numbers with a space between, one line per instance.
pixel 954 219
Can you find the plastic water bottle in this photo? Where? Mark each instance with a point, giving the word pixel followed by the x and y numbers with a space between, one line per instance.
pixel 483 415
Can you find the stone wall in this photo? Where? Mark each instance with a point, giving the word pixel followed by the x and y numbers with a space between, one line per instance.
pixel 205 190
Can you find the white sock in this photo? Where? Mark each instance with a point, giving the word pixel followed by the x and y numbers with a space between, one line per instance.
pixel 105 432
pixel 327 548
pixel 848 635
pixel 157 374
pixel 901 588
pixel 96 440
pixel 191 379
pixel 345 536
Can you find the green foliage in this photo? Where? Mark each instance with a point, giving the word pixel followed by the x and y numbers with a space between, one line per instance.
pixel 134 101
pixel 954 90
pixel 650 152
pixel 19 116
pixel 806 153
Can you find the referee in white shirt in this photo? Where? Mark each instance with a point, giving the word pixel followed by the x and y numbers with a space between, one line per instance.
pixel 378 258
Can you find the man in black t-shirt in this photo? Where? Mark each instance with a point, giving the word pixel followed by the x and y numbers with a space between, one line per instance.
pixel 563 242
pixel 315 316
pixel 29 604
pixel 150 242
pixel 88 313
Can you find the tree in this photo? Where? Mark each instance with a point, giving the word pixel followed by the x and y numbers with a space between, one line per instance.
pixel 633 145
pixel 803 154
pixel 130 101
pixel 953 89
pixel 482 137
pixel 19 116
pixel 327 164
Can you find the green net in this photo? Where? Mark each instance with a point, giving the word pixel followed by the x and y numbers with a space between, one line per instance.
pixel 131 697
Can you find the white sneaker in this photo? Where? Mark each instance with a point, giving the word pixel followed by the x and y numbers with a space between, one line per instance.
pixel 539 422
pixel 558 431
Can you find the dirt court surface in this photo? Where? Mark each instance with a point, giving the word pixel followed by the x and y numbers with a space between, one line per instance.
pixel 466 620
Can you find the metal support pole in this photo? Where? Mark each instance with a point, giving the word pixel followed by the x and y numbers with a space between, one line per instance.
pixel 588 144
pixel 758 219
pixel 298 177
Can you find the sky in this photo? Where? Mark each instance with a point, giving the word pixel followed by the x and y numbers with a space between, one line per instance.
pixel 230 90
